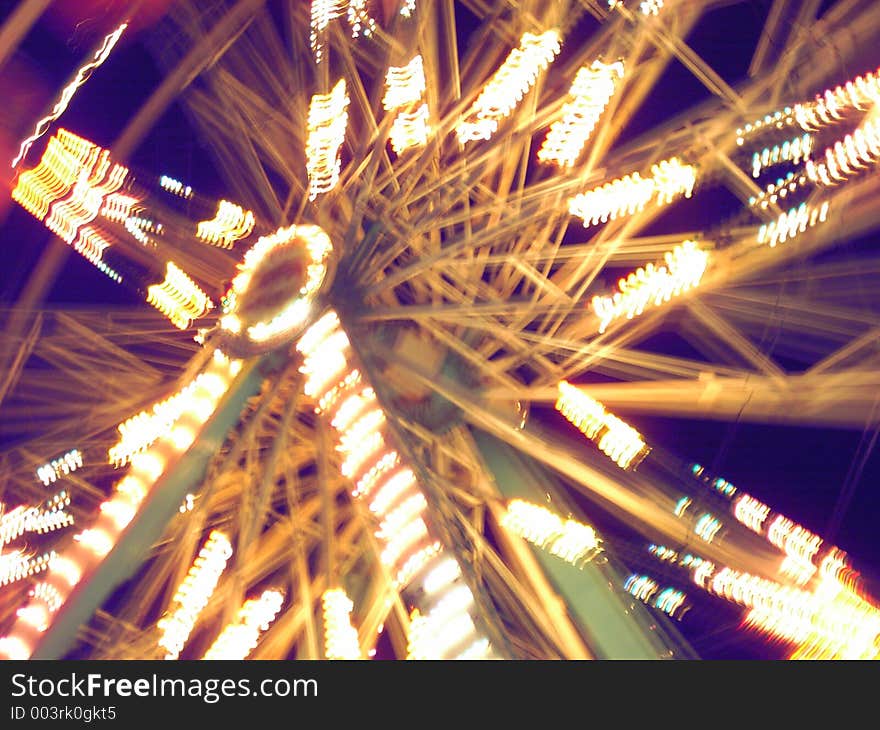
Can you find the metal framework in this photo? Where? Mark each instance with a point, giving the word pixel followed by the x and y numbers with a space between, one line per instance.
pixel 464 284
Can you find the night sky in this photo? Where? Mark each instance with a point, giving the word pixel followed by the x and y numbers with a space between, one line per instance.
pixel 797 471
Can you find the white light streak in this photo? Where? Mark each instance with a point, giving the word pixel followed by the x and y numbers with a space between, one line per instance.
pixel 653 286
pixel 618 440
pixel 791 223
pixel 340 637
pixel 328 117
pixel 508 85
pixel 669 180
pixel 240 637
pixel 194 593
pixel 590 93
pixel 81 77
pixel 62 466
pixel 570 540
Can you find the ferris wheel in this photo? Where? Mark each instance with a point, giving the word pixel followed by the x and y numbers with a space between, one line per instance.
pixel 379 393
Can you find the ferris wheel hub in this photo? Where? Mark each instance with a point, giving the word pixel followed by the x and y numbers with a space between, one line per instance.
pixel 270 300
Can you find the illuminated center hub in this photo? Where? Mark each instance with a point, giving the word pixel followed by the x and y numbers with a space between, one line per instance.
pixel 270 299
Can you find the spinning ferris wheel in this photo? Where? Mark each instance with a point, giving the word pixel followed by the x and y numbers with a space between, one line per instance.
pixel 378 392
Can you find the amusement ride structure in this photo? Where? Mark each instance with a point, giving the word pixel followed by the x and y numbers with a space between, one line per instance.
pixel 380 398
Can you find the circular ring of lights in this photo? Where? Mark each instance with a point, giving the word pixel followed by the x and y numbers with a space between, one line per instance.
pixel 270 299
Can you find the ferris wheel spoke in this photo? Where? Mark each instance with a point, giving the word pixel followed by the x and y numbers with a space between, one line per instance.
pixel 743 349
pixel 462 243
pixel 778 32
pixel 821 317
pixel 291 625
pixel 853 351
pixel 17 24
pixel 282 147
pixel 843 399
pixel 614 487
pixel 221 37
pixel 632 365
pixel 592 350
pixel 521 572
pixel 242 162
pixel 20 349
pixel 74 348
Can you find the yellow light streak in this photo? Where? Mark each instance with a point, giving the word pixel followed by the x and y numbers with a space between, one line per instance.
pixel 670 179
pixel 404 90
pixel 178 297
pixel 231 223
pixel 193 593
pixel 66 156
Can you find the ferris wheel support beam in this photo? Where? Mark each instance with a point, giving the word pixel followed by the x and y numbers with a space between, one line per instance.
pixel 613 629
pixel 556 619
pixel 754 309
pixel 855 348
pixel 18 24
pixel 209 50
pixel 23 352
pixel 776 30
pixel 451 534
pixel 516 581
pixel 842 399
pixel 623 490
pixel 211 499
pixel 797 17
pixel 149 524
pixel 738 343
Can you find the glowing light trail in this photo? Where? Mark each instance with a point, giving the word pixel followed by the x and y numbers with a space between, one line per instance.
pixel 328 117
pixel 230 224
pixel 618 440
pixel 194 593
pixel 340 637
pixel 591 91
pixel 669 180
pixel 685 266
pixel 404 90
pixel 791 223
pixel 508 85
pixel 178 297
pixel 67 94
pixel 240 637
pixel 568 539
